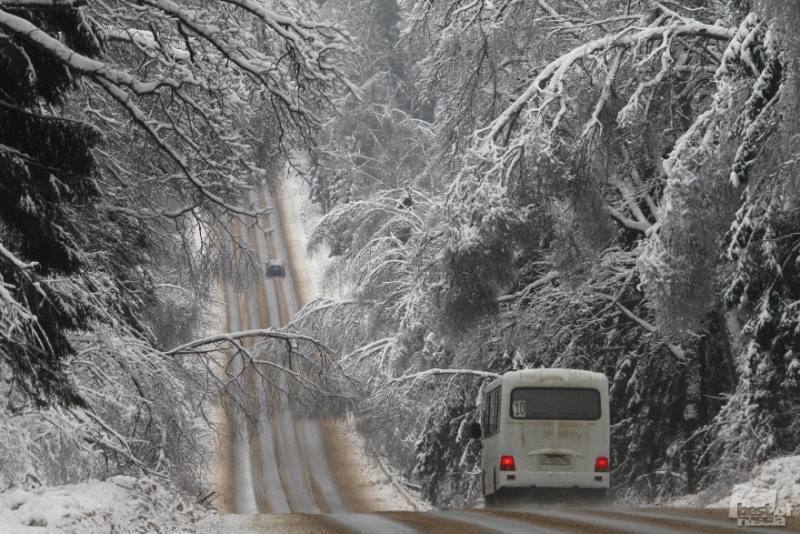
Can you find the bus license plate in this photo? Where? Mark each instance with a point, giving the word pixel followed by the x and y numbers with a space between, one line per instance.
pixel 550 459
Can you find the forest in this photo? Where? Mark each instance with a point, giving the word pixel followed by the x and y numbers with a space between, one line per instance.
pixel 504 184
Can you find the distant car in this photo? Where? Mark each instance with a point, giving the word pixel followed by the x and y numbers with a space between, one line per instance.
pixel 275 268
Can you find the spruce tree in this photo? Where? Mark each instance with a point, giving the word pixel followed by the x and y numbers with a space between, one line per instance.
pixel 46 174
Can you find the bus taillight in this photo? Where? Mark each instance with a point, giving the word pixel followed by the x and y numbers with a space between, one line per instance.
pixel 507 463
pixel 601 464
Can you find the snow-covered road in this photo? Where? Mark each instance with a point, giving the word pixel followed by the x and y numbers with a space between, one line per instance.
pixel 544 520
pixel 276 461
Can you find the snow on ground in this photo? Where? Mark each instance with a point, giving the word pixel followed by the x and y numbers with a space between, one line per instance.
pixel 303 215
pixel 213 323
pixel 119 504
pixel 300 218
pixel 385 489
pixel 775 482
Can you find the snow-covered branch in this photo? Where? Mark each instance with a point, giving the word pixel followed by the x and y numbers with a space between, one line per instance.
pixel 438 373
pixel 189 99
pixel 267 333
pixel 548 85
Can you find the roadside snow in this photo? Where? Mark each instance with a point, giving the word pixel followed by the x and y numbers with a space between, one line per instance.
pixel 303 215
pixel 386 491
pixel 119 504
pixel 300 218
pixel 775 482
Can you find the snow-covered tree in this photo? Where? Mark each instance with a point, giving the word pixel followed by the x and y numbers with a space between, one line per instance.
pixel 376 138
pixel 128 134
pixel 605 180
pixel 47 176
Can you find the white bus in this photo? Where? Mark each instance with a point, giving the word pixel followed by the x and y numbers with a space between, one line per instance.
pixel 544 428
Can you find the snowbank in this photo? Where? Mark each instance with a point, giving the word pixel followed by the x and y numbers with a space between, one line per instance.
pixel 775 482
pixel 302 216
pixel 119 504
pixel 385 489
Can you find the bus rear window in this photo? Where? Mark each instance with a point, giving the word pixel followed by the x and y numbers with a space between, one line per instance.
pixel 574 404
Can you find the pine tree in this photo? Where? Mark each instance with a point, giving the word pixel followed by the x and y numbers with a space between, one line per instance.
pixel 46 173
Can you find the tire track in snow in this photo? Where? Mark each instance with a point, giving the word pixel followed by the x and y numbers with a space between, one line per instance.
pixel 296 483
pixel 285 464
pixel 278 479
pixel 249 402
pixel 313 437
pixel 243 495
pixel 310 432
pixel 309 467
pixel 586 519
pixel 224 475
pixel 369 524
pixel 269 484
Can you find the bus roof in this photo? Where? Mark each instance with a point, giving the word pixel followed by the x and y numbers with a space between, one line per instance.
pixel 553 377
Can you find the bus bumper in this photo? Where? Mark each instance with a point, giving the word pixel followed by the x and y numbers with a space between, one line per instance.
pixel 553 479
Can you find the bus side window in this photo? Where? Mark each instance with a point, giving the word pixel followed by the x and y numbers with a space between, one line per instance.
pixel 497 410
pixel 492 413
pixel 489 411
pixel 485 414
